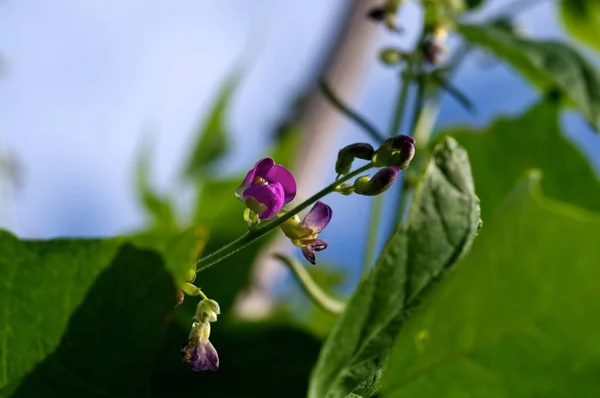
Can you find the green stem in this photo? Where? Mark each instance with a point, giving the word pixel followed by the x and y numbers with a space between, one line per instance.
pixel 373 235
pixel 261 230
pixel 346 110
pixel 401 103
pixel 310 287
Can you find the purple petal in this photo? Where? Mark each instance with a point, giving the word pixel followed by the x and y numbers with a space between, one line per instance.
pixel 260 169
pixel 309 254
pixel 271 195
pixel 283 176
pixel 318 217
pixel 312 246
pixel 202 357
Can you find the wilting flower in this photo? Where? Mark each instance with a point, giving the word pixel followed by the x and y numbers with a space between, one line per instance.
pixel 198 352
pixel 266 188
pixel 303 233
pixel 377 184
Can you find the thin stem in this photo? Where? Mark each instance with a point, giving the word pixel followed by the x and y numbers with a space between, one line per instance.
pixel 401 103
pixel 310 287
pixel 261 230
pixel 349 112
pixel 373 235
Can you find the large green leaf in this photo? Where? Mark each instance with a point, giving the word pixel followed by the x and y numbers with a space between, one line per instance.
pixel 212 139
pixel 549 65
pixel 84 317
pixel 443 221
pixel 518 318
pixel 582 20
pixel 503 151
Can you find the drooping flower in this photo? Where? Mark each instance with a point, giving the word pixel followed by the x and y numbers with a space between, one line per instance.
pixel 198 352
pixel 303 233
pixel 266 188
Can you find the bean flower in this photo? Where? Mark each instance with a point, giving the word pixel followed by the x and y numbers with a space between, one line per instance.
pixel 198 352
pixel 267 188
pixel 303 233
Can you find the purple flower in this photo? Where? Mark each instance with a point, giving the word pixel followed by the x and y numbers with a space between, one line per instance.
pixel 266 188
pixel 304 233
pixel 198 352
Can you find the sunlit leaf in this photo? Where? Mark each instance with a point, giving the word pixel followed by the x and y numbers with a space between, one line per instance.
pixel 582 20
pixel 518 318
pixel 548 65
pixel 84 317
pixel 443 222
pixel 503 151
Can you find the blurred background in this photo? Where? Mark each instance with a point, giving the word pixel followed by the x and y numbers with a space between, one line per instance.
pixel 84 85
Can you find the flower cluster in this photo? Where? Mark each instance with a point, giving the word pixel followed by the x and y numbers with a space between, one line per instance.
pixel 268 187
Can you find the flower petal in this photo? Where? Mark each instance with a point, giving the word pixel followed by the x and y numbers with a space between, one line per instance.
pixel 271 195
pixel 318 217
pixel 202 357
pixel 309 254
pixel 283 176
pixel 260 169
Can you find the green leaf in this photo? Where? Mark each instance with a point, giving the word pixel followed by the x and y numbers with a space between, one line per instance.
pixel 518 318
pixel 83 317
pixel 212 140
pixel 443 222
pixel 551 66
pixel 502 152
pixel 582 19
pixel 158 207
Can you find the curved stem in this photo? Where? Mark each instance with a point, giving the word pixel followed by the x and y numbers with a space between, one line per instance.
pixel 260 231
pixel 346 110
pixel 401 103
pixel 311 288
pixel 373 235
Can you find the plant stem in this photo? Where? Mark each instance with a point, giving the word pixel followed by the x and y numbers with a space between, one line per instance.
pixel 401 102
pixel 310 287
pixel 346 110
pixel 260 231
pixel 373 235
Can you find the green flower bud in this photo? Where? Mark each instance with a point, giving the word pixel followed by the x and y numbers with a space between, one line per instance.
pixel 207 311
pixel 391 56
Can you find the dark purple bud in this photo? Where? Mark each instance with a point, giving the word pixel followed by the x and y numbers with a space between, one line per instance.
pixel 377 184
pixel 346 156
pixel 311 246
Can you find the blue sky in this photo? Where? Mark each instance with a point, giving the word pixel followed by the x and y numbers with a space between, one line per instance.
pixel 85 81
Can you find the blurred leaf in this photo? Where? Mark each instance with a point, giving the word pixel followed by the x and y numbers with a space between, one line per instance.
pixel 502 152
pixel 158 207
pixel 82 317
pixel 212 137
pixel 582 19
pixel 443 222
pixel 518 318
pixel 256 360
pixel 548 65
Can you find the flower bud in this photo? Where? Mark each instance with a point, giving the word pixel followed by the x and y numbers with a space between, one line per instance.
pixel 346 156
pixel 395 151
pixel 377 184
pixel 391 56
pixel 207 311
